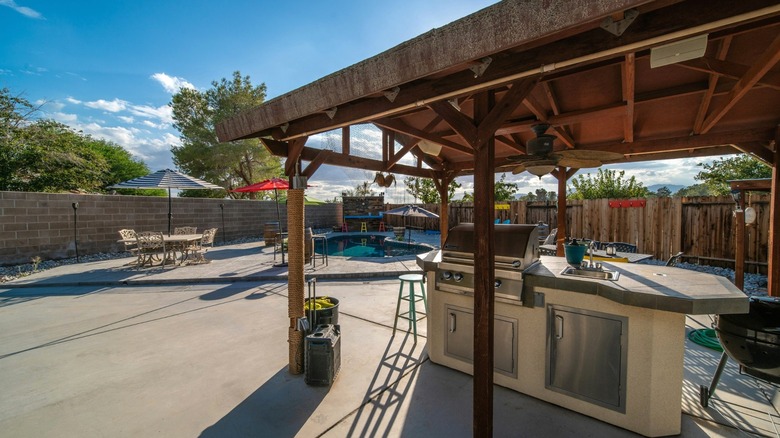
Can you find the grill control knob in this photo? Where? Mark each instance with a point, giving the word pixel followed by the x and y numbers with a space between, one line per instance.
pixel 498 284
pixel 457 276
pixel 517 264
pixel 446 275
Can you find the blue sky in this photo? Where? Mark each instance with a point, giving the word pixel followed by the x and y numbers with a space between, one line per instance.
pixel 109 68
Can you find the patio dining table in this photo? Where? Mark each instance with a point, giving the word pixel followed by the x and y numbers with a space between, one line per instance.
pixel 174 243
pixel 633 257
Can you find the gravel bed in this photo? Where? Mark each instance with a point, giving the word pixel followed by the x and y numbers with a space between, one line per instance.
pixel 755 284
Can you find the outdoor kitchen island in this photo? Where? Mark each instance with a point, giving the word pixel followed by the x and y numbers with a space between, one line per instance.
pixel 612 350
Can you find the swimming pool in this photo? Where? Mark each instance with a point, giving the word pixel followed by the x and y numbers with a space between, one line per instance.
pixel 369 245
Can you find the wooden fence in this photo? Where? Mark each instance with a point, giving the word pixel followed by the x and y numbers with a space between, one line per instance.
pixel 702 227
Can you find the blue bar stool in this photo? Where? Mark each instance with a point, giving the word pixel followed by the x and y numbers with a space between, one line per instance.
pixel 412 315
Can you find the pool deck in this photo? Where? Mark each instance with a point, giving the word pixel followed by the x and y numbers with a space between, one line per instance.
pixel 104 349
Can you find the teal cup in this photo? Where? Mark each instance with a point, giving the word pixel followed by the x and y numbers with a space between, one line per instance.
pixel 575 254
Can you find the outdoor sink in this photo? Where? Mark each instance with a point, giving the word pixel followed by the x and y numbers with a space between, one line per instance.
pixel 598 274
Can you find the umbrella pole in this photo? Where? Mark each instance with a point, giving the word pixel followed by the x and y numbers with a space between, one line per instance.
pixel 170 214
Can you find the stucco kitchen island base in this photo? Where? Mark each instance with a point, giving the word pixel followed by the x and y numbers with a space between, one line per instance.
pixel 639 303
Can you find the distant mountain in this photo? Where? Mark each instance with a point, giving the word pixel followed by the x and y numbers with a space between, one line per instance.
pixel 672 187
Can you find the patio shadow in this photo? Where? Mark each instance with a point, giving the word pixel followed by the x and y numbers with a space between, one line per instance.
pixel 279 408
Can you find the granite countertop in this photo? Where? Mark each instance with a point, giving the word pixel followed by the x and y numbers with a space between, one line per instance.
pixel 649 286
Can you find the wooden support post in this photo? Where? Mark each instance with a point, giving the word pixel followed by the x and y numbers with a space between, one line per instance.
pixel 739 245
pixel 773 284
pixel 560 238
pixel 484 277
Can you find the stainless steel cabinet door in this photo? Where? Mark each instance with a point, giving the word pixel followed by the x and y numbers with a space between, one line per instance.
pixel 587 355
pixel 459 340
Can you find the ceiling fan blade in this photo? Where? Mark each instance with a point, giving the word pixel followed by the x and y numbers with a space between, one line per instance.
pixel 518 169
pixel 579 154
pixel 578 163
pixel 521 158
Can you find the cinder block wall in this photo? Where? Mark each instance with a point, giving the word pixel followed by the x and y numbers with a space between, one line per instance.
pixel 47 225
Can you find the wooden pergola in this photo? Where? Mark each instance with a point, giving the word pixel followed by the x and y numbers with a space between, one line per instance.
pixel 476 86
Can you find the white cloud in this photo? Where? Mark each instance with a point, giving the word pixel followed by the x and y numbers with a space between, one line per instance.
pixel 162 113
pixel 113 106
pixel 64 117
pixel 171 84
pixel 24 10
pixel 5 72
pixel 126 119
pixel 50 105
pixel 72 100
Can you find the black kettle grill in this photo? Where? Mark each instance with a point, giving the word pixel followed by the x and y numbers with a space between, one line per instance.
pixel 752 339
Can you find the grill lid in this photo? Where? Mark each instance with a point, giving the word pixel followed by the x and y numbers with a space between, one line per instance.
pixel 512 242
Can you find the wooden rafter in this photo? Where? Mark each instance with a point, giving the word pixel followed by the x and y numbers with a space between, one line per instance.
pixel 717 66
pixel 628 71
pixel 704 106
pixel 757 149
pixel 756 71
pixel 293 153
pixel 685 142
pixel 315 164
pixel 400 126
pixel 279 149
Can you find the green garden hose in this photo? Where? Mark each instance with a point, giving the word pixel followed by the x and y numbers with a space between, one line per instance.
pixel 706 338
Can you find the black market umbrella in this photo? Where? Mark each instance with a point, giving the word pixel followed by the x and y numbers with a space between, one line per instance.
pixel 166 179
pixel 411 211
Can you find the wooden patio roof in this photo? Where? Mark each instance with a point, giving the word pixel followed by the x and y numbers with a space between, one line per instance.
pixel 477 85
pixel 594 87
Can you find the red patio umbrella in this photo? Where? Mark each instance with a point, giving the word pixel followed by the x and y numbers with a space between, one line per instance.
pixel 274 184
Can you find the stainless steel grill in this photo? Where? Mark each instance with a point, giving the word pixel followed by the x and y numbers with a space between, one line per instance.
pixel 516 250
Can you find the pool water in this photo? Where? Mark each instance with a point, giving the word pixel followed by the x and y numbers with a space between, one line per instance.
pixel 369 245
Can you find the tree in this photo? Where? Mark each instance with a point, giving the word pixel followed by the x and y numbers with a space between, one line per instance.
pixel 47 156
pixel 424 190
pixel 663 192
pixel 502 191
pixel 694 190
pixel 231 164
pixel 607 184
pixel 743 166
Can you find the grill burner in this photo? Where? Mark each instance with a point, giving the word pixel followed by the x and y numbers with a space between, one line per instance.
pixel 516 249
pixel 753 339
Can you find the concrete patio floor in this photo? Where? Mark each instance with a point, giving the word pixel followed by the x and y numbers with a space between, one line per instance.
pixel 100 349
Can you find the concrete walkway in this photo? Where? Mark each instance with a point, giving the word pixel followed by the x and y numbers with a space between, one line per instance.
pixel 101 349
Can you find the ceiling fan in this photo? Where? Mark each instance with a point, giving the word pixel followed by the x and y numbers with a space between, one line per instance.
pixel 541 160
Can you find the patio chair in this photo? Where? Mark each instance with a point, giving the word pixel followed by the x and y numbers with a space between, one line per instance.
pixel 151 247
pixel 507 221
pixel 129 239
pixel 674 259
pixel 550 240
pixel 198 249
pixel 621 246
pixel 185 230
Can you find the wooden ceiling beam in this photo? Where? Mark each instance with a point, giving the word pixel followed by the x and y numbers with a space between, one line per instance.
pixel 717 66
pixel 505 107
pixel 315 163
pixel 757 149
pixel 400 126
pixel 293 153
pixel 704 105
pixel 628 72
pixel 279 149
pixel 462 124
pixel 756 71
pixel 652 146
pixel 613 110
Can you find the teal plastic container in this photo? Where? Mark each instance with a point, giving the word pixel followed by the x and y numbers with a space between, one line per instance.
pixel 575 254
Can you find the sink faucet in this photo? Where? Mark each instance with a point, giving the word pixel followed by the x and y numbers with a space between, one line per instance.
pixel 591 248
